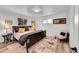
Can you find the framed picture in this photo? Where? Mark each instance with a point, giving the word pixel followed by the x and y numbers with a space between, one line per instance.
pixel 33 23
pixel 22 21
pixel 59 21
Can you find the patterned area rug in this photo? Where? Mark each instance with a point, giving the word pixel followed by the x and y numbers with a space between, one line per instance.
pixel 46 45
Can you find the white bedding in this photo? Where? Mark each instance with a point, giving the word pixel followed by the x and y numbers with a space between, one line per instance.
pixel 18 35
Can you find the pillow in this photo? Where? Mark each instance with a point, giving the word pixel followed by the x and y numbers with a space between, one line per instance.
pixel 21 30
pixel 16 30
pixel 62 33
pixel 30 29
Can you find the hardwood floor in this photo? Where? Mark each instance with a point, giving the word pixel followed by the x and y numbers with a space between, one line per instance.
pixel 46 45
pixel 63 47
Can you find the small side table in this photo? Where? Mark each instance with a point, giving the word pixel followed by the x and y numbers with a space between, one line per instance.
pixel 7 37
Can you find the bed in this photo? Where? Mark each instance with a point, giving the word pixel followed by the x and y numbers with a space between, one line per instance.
pixel 28 37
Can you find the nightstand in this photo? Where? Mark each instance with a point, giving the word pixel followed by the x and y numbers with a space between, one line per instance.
pixel 7 37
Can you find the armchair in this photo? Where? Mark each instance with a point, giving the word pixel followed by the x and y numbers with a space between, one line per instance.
pixel 64 36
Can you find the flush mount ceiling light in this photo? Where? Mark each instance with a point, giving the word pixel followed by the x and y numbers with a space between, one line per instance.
pixel 36 9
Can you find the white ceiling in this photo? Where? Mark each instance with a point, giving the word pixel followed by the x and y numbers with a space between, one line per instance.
pixel 27 9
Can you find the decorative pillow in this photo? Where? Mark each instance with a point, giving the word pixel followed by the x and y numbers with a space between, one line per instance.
pixel 30 29
pixel 16 30
pixel 62 33
pixel 21 30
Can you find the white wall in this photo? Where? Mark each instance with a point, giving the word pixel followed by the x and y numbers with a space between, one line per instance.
pixel 76 27
pixel 71 26
pixel 54 29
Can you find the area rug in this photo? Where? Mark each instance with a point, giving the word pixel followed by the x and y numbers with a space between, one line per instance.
pixel 46 45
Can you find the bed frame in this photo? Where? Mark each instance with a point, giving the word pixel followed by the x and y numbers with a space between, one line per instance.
pixel 32 39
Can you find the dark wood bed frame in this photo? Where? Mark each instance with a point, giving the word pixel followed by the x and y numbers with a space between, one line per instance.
pixel 32 39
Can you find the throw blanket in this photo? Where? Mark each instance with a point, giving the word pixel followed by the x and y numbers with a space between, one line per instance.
pixel 24 37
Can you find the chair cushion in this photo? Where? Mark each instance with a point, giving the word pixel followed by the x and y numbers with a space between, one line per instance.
pixel 60 37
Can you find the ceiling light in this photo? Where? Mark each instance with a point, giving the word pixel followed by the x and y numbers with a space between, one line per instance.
pixel 36 9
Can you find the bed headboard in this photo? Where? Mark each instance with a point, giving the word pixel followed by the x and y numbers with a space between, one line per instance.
pixel 15 28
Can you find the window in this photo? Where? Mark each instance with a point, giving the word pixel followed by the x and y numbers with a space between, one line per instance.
pixel 48 21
